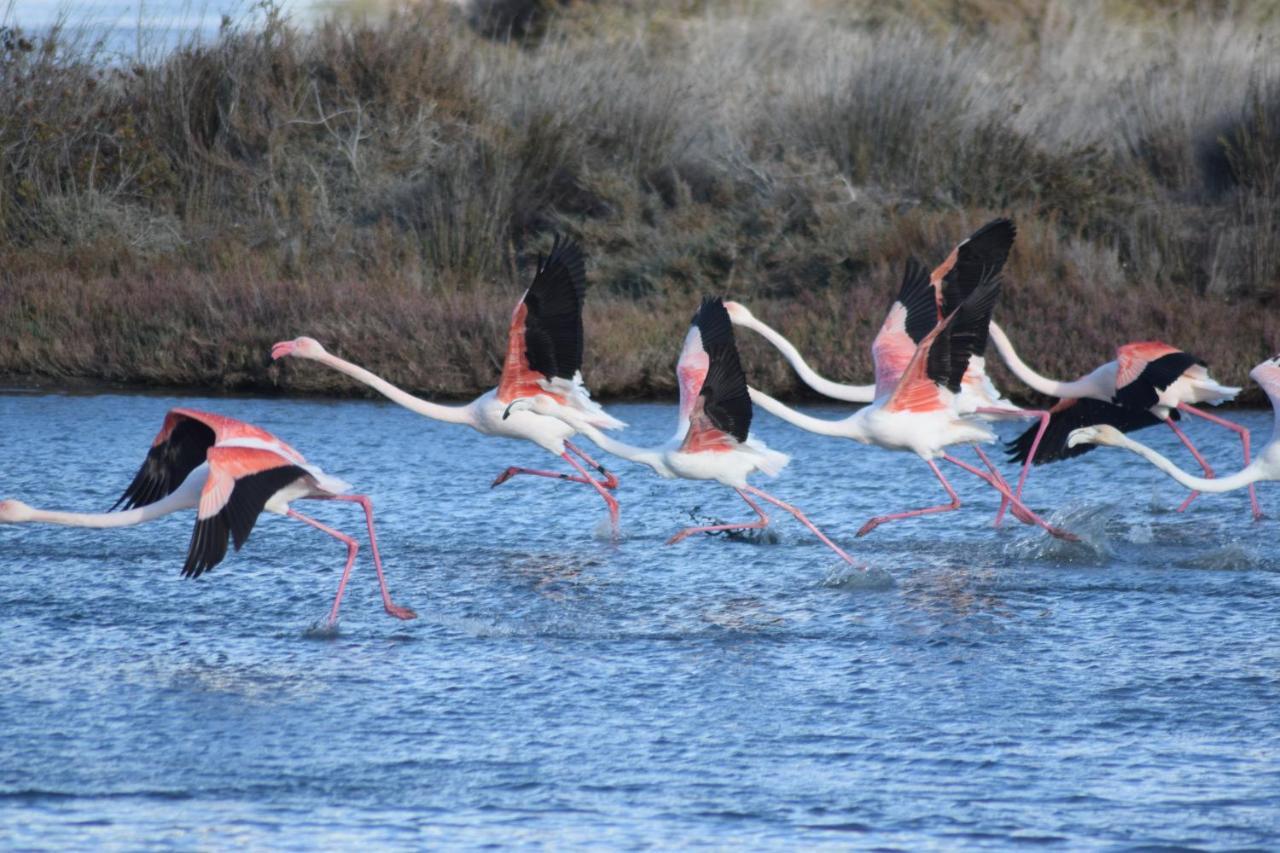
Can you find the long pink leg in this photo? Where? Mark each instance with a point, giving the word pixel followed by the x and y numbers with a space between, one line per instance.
pixel 352 547
pixel 555 475
pixel 1244 439
pixel 610 481
pixel 599 487
pixel 763 521
pixel 1031 455
pixel 1208 471
pixel 1019 509
pixel 800 516
pixel 873 523
pixel 391 607
pixel 999 478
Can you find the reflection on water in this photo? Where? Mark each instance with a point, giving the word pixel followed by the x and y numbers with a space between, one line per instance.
pixel 978 688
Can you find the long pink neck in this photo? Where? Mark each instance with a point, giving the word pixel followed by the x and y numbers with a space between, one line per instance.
pixel 824 386
pixel 184 498
pixel 449 414
pixel 1251 473
pixel 1052 387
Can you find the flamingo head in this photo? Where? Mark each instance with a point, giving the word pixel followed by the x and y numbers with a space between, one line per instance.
pixel 1267 375
pixel 738 312
pixel 13 512
pixel 1100 434
pixel 299 347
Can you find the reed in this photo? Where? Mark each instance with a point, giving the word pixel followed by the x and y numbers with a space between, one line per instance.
pixel 385 183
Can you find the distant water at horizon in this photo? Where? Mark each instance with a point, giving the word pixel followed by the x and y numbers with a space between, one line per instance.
pixel 129 28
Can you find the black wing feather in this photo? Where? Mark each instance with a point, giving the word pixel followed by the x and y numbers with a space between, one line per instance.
pixel 1084 412
pixel 553 322
pixel 726 401
pixel 1144 391
pixel 984 252
pixel 168 464
pixel 916 295
pixel 964 335
pixel 235 521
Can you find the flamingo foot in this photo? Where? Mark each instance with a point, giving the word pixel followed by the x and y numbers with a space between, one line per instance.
pixel 1064 535
pixel 400 612
pixel 674 539
pixel 869 526
pixel 1021 513
pixel 503 477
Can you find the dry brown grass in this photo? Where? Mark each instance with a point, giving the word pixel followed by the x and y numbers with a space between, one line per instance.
pixel 383 185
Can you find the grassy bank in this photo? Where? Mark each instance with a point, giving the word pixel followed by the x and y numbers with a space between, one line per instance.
pixel 385 185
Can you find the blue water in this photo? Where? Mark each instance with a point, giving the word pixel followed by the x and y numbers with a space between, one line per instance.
pixel 141 29
pixel 558 689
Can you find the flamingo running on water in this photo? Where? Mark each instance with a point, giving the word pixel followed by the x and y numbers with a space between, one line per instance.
pixel 983 252
pixel 1147 383
pixel 712 440
pixel 1264 466
pixel 916 407
pixel 230 471
pixel 544 356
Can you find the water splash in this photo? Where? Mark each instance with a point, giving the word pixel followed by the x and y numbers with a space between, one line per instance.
pixel 1087 521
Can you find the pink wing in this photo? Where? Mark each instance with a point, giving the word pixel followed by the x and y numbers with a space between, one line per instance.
pixel 241 481
pixel 892 350
pixel 227 429
pixel 691 372
pixel 915 391
pixel 1132 359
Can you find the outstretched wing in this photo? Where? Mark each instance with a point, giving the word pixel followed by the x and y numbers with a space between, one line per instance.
pixel 713 388
pixel 943 356
pixel 545 339
pixel 1069 415
pixel 983 252
pixel 1145 369
pixel 241 481
pixel 178 449
pixel 911 317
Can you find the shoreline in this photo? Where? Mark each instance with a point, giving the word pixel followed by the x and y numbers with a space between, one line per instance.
pixel 27 386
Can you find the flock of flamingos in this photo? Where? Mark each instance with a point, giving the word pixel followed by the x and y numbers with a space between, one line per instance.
pixel 931 392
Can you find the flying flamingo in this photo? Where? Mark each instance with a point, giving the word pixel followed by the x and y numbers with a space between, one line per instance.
pixel 916 407
pixel 230 472
pixel 1265 466
pixel 984 251
pixel 1147 383
pixel 712 440
pixel 544 356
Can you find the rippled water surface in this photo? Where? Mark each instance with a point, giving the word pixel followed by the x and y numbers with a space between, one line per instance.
pixel 560 689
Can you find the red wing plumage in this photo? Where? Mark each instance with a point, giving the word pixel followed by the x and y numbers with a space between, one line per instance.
pixel 181 446
pixel 1132 359
pixel 910 318
pixel 941 359
pixel 713 389
pixel 241 481
pixel 545 338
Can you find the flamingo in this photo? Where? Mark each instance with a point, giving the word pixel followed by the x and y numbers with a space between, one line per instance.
pixel 1264 466
pixel 1148 382
pixel 985 250
pixel 712 440
pixel 544 356
pixel 230 471
pixel 916 407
